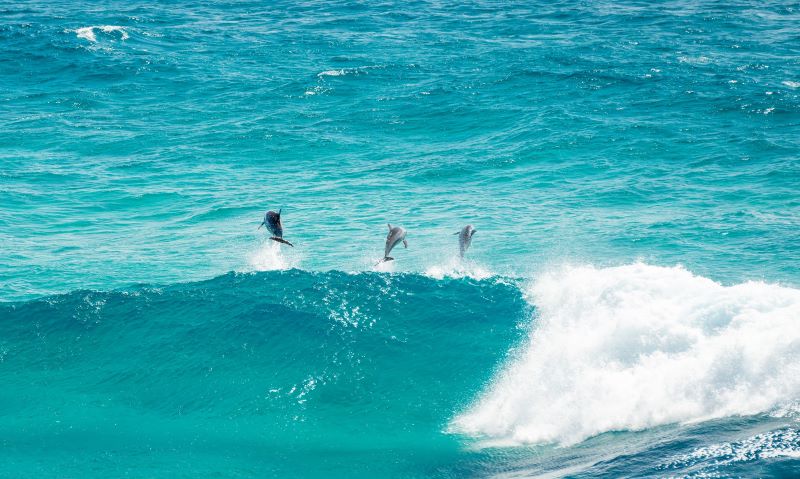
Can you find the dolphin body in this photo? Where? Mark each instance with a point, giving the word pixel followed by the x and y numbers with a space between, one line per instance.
pixel 396 235
pixel 272 221
pixel 465 239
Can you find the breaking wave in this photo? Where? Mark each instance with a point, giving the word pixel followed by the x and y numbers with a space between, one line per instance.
pixel 637 346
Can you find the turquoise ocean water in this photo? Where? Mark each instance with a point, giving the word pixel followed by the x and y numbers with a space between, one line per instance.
pixel 630 306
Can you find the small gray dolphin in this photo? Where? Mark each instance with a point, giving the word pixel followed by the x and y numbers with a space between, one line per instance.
pixel 465 239
pixel 272 221
pixel 396 236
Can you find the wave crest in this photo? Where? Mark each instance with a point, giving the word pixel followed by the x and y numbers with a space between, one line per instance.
pixel 90 33
pixel 637 346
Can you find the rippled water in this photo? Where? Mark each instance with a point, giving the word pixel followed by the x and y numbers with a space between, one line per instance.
pixel 594 146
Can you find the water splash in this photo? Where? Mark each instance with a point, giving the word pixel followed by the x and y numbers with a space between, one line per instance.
pixel 456 267
pixel 269 256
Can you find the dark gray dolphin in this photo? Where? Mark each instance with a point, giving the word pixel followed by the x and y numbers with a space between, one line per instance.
pixel 272 221
pixel 465 239
pixel 396 236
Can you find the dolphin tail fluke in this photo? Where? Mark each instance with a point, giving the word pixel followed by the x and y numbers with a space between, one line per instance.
pixel 281 240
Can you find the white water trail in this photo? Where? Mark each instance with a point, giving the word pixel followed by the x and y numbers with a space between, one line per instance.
pixel 637 346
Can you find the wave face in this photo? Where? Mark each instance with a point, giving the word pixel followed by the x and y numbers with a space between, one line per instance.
pixel 638 346
pixel 274 372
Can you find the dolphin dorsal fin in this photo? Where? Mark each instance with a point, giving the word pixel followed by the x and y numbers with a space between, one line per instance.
pixel 390 226
pixel 279 211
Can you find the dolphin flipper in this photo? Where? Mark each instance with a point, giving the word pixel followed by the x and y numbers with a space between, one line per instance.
pixel 405 244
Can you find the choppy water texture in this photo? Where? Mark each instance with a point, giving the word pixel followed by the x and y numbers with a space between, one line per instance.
pixel 630 306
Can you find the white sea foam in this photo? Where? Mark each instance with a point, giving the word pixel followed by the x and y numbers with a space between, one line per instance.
pixel 781 443
pixel 792 84
pixel 317 90
pixel 790 410
pixel 636 346
pixel 349 71
pixel 90 33
pixel 332 73
pixel 269 256
pixel 698 60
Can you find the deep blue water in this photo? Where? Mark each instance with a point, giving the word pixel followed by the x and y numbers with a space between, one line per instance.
pixel 630 305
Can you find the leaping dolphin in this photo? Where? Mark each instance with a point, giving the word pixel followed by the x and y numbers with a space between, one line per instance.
pixel 272 221
pixel 396 235
pixel 465 239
